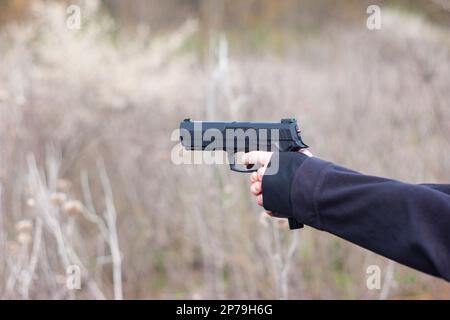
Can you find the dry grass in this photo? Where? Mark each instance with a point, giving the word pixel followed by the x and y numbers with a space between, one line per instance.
pixel 86 177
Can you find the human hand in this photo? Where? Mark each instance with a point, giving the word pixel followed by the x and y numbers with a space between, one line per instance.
pixel 262 158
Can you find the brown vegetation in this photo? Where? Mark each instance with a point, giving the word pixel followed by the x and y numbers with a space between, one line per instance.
pixel 86 178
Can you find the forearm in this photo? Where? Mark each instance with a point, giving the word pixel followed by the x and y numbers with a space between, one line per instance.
pixel 445 188
pixel 404 222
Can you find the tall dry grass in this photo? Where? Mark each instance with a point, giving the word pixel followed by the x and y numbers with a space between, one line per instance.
pixel 86 176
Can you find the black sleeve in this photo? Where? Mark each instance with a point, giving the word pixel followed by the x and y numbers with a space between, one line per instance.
pixel 445 188
pixel 404 222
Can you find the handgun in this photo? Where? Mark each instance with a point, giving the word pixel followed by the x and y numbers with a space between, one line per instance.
pixel 233 137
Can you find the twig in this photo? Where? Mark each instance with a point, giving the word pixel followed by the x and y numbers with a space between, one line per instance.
pixel 111 217
pixel 35 254
pixel 388 281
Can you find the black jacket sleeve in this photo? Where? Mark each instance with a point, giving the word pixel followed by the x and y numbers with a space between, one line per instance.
pixel 404 222
pixel 445 188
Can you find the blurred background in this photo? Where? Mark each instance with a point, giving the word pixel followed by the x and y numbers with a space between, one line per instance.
pixel 87 113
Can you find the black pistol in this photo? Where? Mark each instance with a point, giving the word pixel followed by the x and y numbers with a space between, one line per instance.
pixel 233 137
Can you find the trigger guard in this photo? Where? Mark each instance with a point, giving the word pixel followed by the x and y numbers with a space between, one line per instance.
pixel 237 168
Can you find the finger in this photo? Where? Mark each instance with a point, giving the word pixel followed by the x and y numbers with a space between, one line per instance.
pixel 254 177
pixel 257 157
pixel 269 213
pixel 261 172
pixel 256 188
pixel 259 200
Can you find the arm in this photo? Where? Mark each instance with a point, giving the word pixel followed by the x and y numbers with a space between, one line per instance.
pixel 445 188
pixel 405 222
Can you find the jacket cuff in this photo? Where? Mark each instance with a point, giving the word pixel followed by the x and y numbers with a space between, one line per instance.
pixel 277 187
pixel 299 177
pixel 306 189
